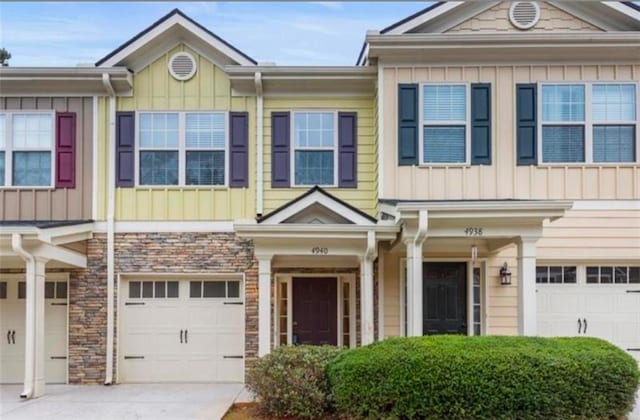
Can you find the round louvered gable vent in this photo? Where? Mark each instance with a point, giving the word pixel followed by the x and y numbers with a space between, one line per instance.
pixel 524 14
pixel 182 66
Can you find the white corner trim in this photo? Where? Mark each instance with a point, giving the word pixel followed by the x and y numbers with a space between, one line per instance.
pixel 606 205
pixel 322 199
pixel 165 227
pixel 94 158
pixel 380 138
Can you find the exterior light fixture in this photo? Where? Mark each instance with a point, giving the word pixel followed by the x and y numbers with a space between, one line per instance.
pixel 505 275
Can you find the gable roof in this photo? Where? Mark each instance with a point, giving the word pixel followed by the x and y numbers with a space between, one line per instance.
pixel 318 195
pixel 615 15
pixel 189 26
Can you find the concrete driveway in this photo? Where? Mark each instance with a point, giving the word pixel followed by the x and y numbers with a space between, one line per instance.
pixel 129 401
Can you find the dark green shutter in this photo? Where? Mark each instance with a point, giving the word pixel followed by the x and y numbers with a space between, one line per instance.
pixel 481 124
pixel 407 124
pixel 527 120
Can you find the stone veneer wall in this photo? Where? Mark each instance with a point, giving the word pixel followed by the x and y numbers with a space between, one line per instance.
pixel 191 253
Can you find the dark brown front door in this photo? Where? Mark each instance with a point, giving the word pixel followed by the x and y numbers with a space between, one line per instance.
pixel 444 293
pixel 315 315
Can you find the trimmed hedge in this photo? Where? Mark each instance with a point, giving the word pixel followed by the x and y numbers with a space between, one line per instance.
pixel 292 382
pixel 457 377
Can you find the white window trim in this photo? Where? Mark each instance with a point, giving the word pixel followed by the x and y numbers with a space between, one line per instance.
pixel 588 123
pixel 9 149
pixel 467 125
pixel 182 149
pixel 292 157
pixel 581 273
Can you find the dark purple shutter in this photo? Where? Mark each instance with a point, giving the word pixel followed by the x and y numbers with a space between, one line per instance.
pixel 239 149
pixel 125 149
pixel 280 146
pixel 347 150
pixel 65 150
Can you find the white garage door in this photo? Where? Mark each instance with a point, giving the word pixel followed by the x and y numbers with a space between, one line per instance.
pixel 182 331
pixel 12 328
pixel 595 301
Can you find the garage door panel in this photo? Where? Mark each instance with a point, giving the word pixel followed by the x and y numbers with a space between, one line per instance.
pixel 209 328
pixel 563 304
pixel 603 304
pixel 628 303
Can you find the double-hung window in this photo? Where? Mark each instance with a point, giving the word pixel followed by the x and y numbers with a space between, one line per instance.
pixel 26 143
pixel 314 145
pixel 182 148
pixel 589 123
pixel 445 122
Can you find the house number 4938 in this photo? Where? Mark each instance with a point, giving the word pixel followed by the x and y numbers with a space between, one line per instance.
pixel 316 250
pixel 473 231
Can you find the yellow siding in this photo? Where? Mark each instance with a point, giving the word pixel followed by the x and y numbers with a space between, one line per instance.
pixel 155 89
pixel 364 196
pixel 503 179
pixel 496 19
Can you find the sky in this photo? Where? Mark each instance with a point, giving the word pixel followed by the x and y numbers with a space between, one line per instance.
pixel 288 33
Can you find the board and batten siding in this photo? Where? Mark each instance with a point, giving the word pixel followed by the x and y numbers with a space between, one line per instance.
pixel 209 90
pixel 365 196
pixel 54 203
pixel 503 179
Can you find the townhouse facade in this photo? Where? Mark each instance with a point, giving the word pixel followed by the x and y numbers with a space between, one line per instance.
pixel 178 210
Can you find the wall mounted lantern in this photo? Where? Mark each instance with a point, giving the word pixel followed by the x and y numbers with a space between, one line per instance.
pixel 505 275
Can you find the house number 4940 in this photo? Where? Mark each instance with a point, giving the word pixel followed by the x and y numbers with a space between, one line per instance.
pixel 316 250
pixel 473 231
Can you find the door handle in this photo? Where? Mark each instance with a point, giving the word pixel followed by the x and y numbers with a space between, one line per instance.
pixel 579 325
pixel 186 340
pixel 8 336
pixel 181 336
pixel 13 337
pixel 585 326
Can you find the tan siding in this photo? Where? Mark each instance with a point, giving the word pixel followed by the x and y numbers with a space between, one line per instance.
pixel 496 19
pixel 55 204
pixel 392 276
pixel 503 179
pixel 590 235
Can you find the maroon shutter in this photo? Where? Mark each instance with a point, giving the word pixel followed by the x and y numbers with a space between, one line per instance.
pixel 347 150
pixel 65 150
pixel 239 149
pixel 280 146
pixel 125 149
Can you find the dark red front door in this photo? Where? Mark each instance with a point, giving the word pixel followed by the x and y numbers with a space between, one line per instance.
pixel 315 316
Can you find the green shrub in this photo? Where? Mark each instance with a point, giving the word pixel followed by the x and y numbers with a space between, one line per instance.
pixel 458 377
pixel 292 381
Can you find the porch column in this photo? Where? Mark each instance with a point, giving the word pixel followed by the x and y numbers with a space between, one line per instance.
pixel 264 305
pixel 413 245
pixel 366 300
pixel 527 311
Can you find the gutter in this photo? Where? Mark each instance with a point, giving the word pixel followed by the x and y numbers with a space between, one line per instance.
pixel 259 144
pixel 29 358
pixel 110 227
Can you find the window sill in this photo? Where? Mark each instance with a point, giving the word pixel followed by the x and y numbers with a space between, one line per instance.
pixel 446 165
pixel 21 187
pixel 589 165
pixel 306 187
pixel 177 187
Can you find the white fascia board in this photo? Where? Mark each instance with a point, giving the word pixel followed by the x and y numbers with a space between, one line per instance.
pixel 166 25
pixel 606 205
pixel 317 198
pixel 66 234
pixel 307 231
pixel 423 18
pixel 624 9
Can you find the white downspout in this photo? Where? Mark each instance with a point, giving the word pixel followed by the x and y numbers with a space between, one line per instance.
pixel 29 357
pixel 111 186
pixel 259 145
